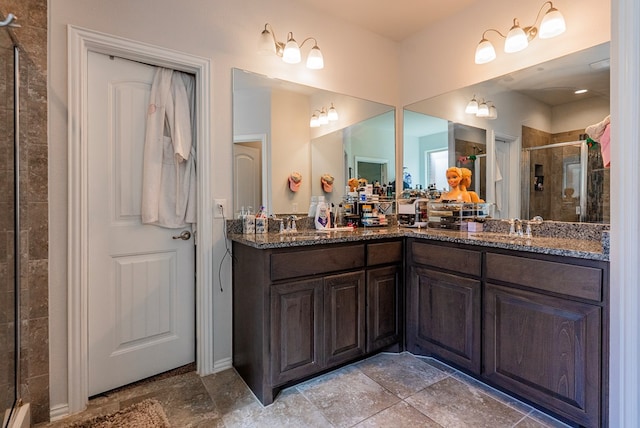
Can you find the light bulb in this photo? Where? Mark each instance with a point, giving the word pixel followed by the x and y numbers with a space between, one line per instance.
pixel 332 115
pixel 315 60
pixel 291 54
pixel 485 52
pixel 483 110
pixel 552 24
pixel 516 39
pixel 266 45
pixel 472 107
pixel 323 117
pixel 314 122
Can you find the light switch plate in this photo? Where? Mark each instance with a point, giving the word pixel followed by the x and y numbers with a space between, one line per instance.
pixel 220 208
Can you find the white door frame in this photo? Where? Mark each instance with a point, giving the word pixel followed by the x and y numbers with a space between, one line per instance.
pixel 80 42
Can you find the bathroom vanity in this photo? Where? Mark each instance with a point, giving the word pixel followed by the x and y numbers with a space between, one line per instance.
pixel 533 325
pixel 300 311
pixel 529 317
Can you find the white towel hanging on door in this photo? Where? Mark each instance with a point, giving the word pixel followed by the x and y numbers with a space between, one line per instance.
pixel 169 176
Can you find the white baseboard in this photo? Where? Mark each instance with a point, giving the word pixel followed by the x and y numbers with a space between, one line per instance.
pixel 58 412
pixel 223 364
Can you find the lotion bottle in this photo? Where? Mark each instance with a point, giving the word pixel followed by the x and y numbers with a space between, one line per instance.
pixel 322 219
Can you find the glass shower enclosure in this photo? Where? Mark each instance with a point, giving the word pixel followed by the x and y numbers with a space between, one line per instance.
pixel 9 227
pixel 565 182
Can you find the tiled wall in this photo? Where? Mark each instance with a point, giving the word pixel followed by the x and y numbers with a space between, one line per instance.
pixel 550 202
pixel 34 346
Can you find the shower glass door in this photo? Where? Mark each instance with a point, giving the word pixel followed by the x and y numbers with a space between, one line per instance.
pixel 565 182
pixel 9 263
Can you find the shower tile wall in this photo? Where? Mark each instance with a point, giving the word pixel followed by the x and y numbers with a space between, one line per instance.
pixel 34 233
pixel 549 202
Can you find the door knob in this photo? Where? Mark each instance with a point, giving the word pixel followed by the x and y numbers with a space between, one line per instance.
pixel 185 235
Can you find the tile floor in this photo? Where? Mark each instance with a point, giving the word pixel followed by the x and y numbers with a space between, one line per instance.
pixel 386 390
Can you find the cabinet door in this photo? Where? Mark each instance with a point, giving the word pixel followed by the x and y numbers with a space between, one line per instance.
pixel 383 327
pixel 344 317
pixel 296 330
pixel 546 349
pixel 444 317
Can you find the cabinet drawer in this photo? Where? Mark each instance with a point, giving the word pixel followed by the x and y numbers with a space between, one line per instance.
pixel 577 281
pixel 292 264
pixel 384 252
pixel 455 259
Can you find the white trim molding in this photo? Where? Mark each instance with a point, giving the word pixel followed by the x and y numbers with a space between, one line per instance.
pixel 80 42
pixel 624 382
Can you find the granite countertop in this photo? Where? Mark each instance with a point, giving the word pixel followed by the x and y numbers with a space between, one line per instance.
pixel 569 247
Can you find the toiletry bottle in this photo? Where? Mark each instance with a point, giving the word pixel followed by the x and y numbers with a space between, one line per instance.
pixel 322 219
pixel 312 206
pixel 339 216
pixel 262 221
pixel 249 223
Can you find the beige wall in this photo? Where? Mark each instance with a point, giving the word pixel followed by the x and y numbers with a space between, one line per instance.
pixel 228 33
pixel 367 66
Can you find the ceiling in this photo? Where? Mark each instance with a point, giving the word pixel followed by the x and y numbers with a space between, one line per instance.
pixel 395 20
pixel 404 18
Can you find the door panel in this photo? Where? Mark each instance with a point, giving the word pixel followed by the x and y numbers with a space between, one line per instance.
pixel 247 177
pixel 141 281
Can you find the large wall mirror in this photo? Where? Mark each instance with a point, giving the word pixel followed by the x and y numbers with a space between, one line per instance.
pixel 273 139
pixel 534 158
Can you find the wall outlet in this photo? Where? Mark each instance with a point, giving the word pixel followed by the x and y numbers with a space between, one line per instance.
pixel 220 209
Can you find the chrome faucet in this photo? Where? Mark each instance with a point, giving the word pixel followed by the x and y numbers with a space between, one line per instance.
pixel 515 227
pixel 291 224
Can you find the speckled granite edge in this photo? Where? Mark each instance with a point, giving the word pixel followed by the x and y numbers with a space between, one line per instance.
pixel 591 249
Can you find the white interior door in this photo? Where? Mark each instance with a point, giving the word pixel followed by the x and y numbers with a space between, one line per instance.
pixel 502 186
pixel 247 177
pixel 141 281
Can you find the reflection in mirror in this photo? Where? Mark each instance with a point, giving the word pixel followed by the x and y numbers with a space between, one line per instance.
pixel 431 145
pixel 537 107
pixel 273 138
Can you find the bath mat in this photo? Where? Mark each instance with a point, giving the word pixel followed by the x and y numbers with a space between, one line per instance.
pixel 145 414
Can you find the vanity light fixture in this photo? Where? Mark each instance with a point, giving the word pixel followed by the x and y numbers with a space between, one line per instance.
pixel 289 51
pixel 323 117
pixel 484 109
pixel 518 38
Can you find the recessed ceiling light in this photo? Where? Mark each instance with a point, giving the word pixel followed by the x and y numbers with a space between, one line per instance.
pixel 581 91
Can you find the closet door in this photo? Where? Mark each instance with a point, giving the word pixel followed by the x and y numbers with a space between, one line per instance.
pixel 141 281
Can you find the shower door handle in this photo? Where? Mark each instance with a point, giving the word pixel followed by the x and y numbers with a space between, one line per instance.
pixel 185 235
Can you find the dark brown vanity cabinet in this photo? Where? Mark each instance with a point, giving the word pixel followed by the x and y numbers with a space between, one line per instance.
pixel 300 311
pixel 545 335
pixel 444 303
pixel 534 325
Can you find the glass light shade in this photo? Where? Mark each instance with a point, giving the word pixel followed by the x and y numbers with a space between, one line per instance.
pixel 314 122
pixel 291 54
pixel 315 60
pixel 472 107
pixel 323 117
pixel 266 44
pixel 552 24
pixel 485 52
pixel 332 115
pixel 483 110
pixel 493 112
pixel 516 39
